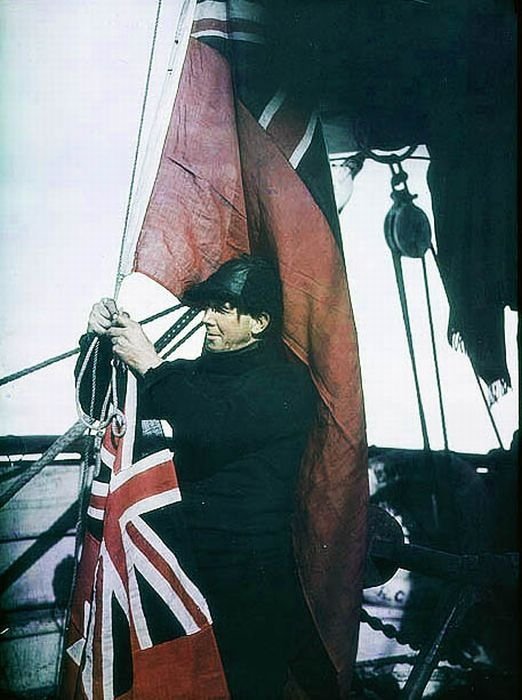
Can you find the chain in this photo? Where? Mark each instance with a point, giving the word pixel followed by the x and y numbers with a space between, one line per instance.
pixel 389 630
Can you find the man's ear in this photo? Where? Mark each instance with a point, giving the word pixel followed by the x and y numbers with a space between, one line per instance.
pixel 260 323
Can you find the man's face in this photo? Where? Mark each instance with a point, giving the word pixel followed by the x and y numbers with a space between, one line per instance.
pixel 227 329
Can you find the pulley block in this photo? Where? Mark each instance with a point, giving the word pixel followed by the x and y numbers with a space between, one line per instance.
pixel 406 227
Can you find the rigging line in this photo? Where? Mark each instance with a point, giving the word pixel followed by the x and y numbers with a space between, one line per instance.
pixel 45 363
pixel 160 314
pixel 435 356
pixel 407 327
pixel 488 409
pixel 119 275
pixel 428 455
pixel 477 378
pixel 79 427
pixel 182 340
pixel 180 324
pixel 41 365
pixel 108 410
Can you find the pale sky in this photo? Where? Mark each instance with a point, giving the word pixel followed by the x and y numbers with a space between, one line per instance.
pixel 72 86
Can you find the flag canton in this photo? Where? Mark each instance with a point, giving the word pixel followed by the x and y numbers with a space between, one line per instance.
pixel 241 32
pixel 139 560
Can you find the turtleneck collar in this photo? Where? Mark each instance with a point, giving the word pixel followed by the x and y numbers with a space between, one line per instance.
pixel 238 361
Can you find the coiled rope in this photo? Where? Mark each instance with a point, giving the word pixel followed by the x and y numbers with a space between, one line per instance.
pixel 111 412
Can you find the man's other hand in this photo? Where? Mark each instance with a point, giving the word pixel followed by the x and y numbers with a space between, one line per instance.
pixel 101 316
pixel 131 344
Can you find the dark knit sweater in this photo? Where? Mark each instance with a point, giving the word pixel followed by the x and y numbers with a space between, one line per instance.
pixel 240 421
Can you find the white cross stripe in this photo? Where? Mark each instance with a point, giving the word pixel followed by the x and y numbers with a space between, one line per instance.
pixel 88 663
pixel 137 560
pixel 250 11
pixel 235 36
pixel 271 109
pixel 138 617
pixel 305 142
pixel 159 500
pixel 75 651
pixel 130 416
pixel 139 467
pixel 107 642
pixel 96 513
pixel 112 585
pixel 107 457
pixel 99 488
pixel 112 577
pixel 173 563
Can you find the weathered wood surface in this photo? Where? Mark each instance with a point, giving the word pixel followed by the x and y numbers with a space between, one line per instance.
pixel 29 653
pixel 37 536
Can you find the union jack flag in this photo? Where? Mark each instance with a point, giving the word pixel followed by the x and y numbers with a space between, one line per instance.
pixel 140 627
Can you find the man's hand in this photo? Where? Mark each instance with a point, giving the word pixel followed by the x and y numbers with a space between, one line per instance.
pixel 101 316
pixel 131 344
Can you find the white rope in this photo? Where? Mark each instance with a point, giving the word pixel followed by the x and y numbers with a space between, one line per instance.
pixel 140 195
pixel 119 273
pixel 110 411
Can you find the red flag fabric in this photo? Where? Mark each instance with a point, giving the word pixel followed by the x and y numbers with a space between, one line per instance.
pixel 139 628
pixel 244 169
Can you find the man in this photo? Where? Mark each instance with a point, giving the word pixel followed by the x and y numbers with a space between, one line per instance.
pixel 240 415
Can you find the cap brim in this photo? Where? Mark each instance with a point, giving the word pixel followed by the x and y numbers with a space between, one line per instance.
pixel 206 292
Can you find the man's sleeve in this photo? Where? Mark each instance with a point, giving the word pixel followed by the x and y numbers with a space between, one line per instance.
pixel 263 406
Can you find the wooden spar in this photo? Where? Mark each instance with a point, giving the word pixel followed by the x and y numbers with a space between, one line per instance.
pixel 59 445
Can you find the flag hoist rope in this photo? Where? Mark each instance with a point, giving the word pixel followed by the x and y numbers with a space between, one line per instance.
pixel 76 430
pixel 137 205
pixel 175 62
pixel 110 411
pixel 120 274
pixel 114 413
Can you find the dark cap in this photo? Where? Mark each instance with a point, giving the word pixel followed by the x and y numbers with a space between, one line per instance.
pixel 250 283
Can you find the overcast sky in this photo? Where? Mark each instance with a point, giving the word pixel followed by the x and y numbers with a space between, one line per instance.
pixel 72 86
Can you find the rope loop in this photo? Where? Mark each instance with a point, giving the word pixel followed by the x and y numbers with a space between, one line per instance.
pixel 110 412
pixel 118 420
pixel 118 423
